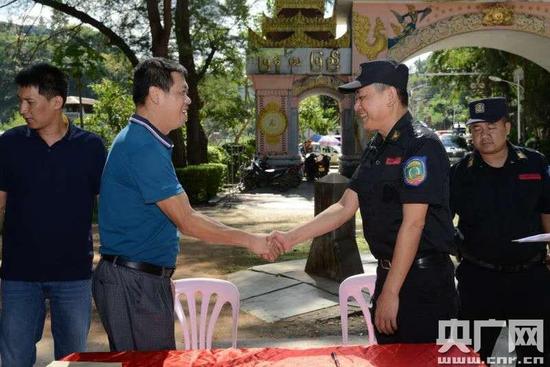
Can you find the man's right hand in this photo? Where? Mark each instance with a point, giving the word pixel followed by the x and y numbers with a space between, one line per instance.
pixel 263 247
pixel 282 238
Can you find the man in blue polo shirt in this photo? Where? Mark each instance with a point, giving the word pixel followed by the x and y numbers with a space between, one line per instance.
pixel 50 172
pixel 142 204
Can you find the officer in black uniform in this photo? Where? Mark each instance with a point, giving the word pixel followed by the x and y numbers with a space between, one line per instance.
pixel 402 189
pixel 501 192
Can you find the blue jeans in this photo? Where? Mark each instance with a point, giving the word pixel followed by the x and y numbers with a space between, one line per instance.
pixel 23 313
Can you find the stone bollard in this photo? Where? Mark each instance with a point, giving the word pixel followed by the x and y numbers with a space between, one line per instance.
pixel 333 255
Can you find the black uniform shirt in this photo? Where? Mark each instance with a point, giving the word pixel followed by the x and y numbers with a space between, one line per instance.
pixel 498 205
pixel 409 166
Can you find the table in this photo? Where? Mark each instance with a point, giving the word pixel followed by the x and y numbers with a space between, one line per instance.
pixel 389 355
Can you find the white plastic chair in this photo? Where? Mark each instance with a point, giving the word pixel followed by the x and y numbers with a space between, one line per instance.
pixel 352 287
pixel 225 292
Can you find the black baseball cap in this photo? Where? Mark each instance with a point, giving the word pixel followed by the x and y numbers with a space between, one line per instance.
pixel 487 110
pixel 386 72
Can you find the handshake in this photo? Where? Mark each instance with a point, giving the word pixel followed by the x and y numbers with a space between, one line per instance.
pixel 270 247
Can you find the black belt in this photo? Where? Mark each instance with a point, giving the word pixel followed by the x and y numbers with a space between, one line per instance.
pixel 505 268
pixel 423 262
pixel 145 267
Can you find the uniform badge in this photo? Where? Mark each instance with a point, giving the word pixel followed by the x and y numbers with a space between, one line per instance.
pixel 530 176
pixel 396 135
pixel 479 108
pixel 393 161
pixel 415 171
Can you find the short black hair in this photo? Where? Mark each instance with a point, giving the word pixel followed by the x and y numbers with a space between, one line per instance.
pixel 50 80
pixel 401 93
pixel 403 96
pixel 154 72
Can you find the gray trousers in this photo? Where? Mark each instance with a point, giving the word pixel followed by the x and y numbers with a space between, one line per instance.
pixel 136 308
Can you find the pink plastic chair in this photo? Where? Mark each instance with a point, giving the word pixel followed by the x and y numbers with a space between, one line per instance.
pixel 225 292
pixel 352 287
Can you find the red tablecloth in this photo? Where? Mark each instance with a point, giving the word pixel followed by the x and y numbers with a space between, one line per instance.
pixel 392 355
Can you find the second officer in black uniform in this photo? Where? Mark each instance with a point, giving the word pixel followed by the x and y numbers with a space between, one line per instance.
pixel 402 189
pixel 501 192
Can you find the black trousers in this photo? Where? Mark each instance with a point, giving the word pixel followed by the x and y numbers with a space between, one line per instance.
pixel 136 308
pixel 427 296
pixel 486 294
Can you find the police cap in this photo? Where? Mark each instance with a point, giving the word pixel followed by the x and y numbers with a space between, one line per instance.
pixel 380 71
pixel 487 110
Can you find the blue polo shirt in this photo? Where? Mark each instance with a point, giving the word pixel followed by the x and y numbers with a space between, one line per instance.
pixel 138 174
pixel 50 198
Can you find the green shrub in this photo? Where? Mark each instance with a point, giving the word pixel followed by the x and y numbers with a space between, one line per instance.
pixel 15 120
pixel 250 147
pixel 202 182
pixel 217 154
pixel 111 111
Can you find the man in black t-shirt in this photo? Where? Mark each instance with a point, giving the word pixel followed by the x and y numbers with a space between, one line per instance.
pixel 501 192
pixel 402 190
pixel 50 172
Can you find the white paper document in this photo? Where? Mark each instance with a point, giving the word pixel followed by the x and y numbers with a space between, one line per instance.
pixel 543 237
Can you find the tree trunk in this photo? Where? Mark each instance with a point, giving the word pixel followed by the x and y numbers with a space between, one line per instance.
pixel 179 156
pixel 80 107
pixel 160 35
pixel 197 141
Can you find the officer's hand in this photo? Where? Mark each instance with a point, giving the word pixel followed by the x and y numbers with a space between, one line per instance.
pixel 261 246
pixel 281 238
pixel 385 318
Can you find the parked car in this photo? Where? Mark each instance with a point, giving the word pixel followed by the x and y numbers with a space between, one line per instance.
pixel 455 146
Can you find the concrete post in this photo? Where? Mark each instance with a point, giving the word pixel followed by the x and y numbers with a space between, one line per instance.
pixel 334 255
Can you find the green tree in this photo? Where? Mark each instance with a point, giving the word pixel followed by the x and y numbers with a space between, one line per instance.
pixel 228 107
pixel 111 111
pixel 78 60
pixel 207 37
pixel 312 116
pixel 462 89
pixel 23 45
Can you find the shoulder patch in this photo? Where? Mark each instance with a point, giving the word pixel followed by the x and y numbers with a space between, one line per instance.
pixel 415 170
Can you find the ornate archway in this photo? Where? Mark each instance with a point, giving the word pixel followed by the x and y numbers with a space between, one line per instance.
pixel 299 52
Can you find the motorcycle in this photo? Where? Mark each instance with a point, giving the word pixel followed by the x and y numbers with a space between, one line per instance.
pixel 316 166
pixel 259 174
